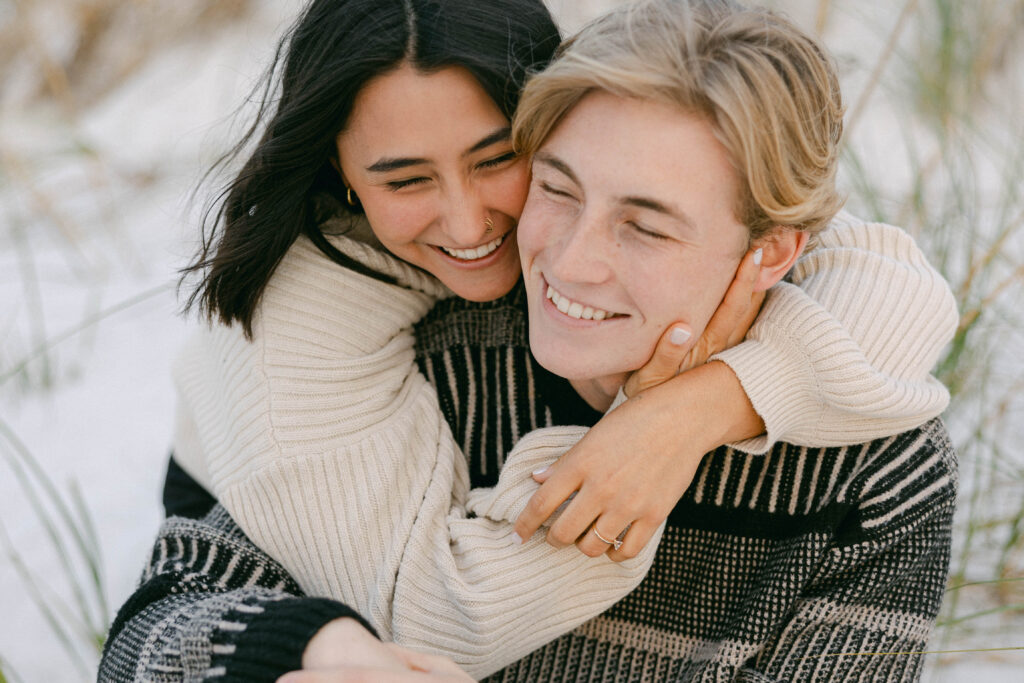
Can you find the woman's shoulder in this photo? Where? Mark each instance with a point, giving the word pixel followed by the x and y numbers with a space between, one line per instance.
pixel 314 303
pixel 307 263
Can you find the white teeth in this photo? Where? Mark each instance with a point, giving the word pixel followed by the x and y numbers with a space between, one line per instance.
pixel 574 309
pixel 473 254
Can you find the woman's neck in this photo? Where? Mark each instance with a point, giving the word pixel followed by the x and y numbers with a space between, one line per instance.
pixel 600 391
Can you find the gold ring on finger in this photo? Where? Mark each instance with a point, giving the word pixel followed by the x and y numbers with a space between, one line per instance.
pixel 615 543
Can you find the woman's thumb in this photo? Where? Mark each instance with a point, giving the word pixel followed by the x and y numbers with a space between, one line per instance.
pixel 672 348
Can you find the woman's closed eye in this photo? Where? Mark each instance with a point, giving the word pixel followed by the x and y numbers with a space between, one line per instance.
pixel 395 185
pixel 499 160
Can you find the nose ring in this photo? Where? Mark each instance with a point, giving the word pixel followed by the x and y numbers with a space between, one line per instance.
pixel 490 225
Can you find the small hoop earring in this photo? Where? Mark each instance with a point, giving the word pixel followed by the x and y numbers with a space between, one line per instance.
pixel 490 225
pixel 351 197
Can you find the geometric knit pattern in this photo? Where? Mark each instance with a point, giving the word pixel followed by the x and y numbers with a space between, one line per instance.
pixel 491 391
pixel 770 566
pixel 211 606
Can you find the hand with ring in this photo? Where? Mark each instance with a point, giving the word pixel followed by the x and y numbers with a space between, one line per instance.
pixel 625 476
pixel 615 542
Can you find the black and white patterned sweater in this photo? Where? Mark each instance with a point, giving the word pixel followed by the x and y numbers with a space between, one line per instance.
pixel 802 564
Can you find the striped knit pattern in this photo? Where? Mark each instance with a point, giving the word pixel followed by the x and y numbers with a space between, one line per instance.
pixel 212 606
pixel 769 568
pixel 478 361
pixel 772 566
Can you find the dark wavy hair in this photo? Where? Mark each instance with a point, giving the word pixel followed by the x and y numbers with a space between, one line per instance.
pixel 305 99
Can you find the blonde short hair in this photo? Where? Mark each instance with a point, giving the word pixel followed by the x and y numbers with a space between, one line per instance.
pixel 769 91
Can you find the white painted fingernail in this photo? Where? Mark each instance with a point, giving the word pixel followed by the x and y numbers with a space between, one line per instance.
pixel 516 538
pixel 541 471
pixel 679 336
pixel 758 255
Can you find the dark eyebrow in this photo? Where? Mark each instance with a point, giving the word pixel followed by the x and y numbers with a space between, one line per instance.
pixel 557 164
pixel 500 135
pixel 394 163
pixel 391 164
pixel 655 205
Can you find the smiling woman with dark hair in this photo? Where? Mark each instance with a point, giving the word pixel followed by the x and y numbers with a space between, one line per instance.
pixel 342 402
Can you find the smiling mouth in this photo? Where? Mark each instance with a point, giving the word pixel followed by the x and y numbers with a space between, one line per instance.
pixel 574 309
pixel 474 254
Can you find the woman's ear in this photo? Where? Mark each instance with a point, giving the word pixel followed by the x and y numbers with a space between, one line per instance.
pixel 337 167
pixel 781 248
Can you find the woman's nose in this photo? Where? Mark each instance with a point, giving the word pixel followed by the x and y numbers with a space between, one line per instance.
pixel 465 217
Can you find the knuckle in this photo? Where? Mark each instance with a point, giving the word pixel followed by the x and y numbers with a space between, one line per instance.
pixel 560 536
pixel 537 504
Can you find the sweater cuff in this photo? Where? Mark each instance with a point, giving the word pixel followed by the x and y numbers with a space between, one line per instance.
pixel 775 371
pixel 536 450
pixel 275 637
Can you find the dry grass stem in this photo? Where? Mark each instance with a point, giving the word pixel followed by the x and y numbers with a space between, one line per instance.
pixel 876 74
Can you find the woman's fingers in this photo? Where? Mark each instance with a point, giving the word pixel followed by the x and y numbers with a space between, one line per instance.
pixel 607 532
pixel 677 351
pixel 558 486
pixel 669 354
pixel 636 537
pixel 432 664
pixel 733 317
pixel 584 514
pixel 371 675
pixel 409 667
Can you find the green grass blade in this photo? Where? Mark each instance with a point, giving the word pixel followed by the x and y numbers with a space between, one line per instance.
pixel 18 462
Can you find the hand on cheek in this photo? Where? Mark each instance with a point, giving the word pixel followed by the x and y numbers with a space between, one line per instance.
pixel 677 350
pixel 613 493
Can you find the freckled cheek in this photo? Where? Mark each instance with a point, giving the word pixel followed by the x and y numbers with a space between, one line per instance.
pixel 400 222
pixel 507 192
pixel 539 228
pixel 675 291
pixel 704 300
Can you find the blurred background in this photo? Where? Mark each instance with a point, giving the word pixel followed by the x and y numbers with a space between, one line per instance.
pixel 111 109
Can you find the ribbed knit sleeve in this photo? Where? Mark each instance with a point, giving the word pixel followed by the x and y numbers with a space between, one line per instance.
pixel 843 353
pixel 331 452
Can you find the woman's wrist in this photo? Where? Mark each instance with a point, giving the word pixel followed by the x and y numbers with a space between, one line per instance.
pixel 345 641
pixel 711 399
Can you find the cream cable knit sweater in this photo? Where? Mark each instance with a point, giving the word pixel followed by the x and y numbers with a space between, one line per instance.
pixel 329 449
